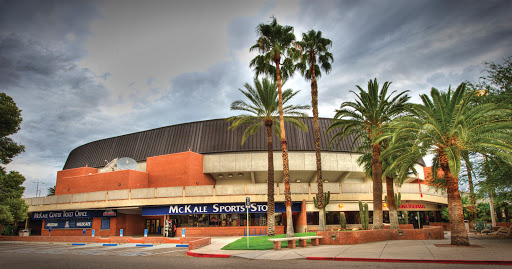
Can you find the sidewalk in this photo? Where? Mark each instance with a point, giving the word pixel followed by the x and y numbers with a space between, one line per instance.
pixel 482 251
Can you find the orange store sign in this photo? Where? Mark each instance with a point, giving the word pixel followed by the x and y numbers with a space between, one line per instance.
pixel 409 206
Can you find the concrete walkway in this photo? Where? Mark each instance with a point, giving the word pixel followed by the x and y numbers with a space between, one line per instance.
pixel 482 251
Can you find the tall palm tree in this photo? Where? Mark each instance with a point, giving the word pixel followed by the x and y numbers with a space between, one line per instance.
pixel 314 52
pixel 276 60
pixel 390 176
pixel 263 110
pixel 445 125
pixel 366 117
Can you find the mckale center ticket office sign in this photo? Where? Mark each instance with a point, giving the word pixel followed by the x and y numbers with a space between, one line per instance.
pixel 219 208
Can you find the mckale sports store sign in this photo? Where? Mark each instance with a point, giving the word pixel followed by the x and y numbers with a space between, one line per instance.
pixel 220 208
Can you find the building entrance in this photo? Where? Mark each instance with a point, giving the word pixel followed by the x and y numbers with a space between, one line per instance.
pixel 153 226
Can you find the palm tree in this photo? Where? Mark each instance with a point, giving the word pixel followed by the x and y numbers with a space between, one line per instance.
pixel 275 44
pixel 366 117
pixel 389 175
pixel 263 110
pixel 51 191
pixel 445 125
pixel 314 49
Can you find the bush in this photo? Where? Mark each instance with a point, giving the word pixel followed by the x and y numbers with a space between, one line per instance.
pixel 7 230
pixel 480 225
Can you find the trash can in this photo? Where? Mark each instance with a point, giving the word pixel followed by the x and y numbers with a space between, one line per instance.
pixel 466 223
pixel 24 232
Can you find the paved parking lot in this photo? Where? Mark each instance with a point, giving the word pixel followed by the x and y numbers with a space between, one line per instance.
pixel 90 249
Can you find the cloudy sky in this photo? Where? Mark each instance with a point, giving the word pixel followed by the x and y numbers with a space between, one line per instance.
pixel 85 70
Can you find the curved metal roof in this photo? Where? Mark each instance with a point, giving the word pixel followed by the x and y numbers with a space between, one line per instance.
pixel 211 136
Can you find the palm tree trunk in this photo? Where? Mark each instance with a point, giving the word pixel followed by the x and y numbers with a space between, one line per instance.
pixel 393 214
pixel 377 187
pixel 284 149
pixel 271 229
pixel 459 235
pixel 471 188
pixel 314 104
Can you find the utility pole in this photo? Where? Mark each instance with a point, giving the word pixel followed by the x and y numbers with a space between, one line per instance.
pixel 37 188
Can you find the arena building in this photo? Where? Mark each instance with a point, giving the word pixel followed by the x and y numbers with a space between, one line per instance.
pixel 198 175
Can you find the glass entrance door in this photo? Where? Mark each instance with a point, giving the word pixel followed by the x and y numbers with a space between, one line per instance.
pixel 152 225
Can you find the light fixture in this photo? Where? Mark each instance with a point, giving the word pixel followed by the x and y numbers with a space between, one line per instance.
pixel 230 175
pixel 385 205
pixel 298 180
pixel 240 175
pixel 221 176
pixel 118 184
pixel 326 181
pixel 340 205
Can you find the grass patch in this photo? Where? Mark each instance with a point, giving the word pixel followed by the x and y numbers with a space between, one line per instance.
pixel 261 242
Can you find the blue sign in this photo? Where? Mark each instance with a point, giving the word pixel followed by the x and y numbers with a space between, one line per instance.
pixel 73 214
pixel 93 232
pixel 145 232
pixel 219 208
pixel 121 233
pixel 68 223
pixel 183 232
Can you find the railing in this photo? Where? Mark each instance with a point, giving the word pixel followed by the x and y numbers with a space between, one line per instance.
pixel 220 190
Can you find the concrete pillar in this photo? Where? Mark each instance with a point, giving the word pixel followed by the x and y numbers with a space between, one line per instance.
pixel 302 220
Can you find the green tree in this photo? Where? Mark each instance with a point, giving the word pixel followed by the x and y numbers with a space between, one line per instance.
pixel 276 60
pixel 445 125
pixel 12 207
pixel 10 120
pixel 315 56
pixel 366 118
pixel 263 109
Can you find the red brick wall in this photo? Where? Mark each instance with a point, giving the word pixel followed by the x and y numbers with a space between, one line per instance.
pixel 179 169
pixel 116 180
pixel 224 231
pixel 60 186
pixel 199 243
pixel 361 237
pixel 445 225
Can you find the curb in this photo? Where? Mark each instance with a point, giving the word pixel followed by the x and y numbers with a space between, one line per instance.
pixel 204 255
pixel 487 262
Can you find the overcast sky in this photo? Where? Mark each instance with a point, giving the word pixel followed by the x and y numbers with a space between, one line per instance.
pixel 84 70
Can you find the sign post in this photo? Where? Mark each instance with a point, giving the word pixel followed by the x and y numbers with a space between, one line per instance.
pixel 247 205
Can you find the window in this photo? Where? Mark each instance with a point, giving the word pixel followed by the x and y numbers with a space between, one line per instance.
pixel 105 223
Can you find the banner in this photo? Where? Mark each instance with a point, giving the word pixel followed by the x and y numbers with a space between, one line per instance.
pixel 68 224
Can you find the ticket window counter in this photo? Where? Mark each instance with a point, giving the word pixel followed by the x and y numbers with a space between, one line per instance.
pixel 153 226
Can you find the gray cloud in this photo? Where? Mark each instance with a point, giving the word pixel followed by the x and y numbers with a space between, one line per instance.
pixel 149 74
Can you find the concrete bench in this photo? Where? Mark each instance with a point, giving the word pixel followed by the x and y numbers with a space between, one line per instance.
pixel 315 241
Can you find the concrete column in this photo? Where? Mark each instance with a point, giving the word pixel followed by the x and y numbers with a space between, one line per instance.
pixel 302 221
